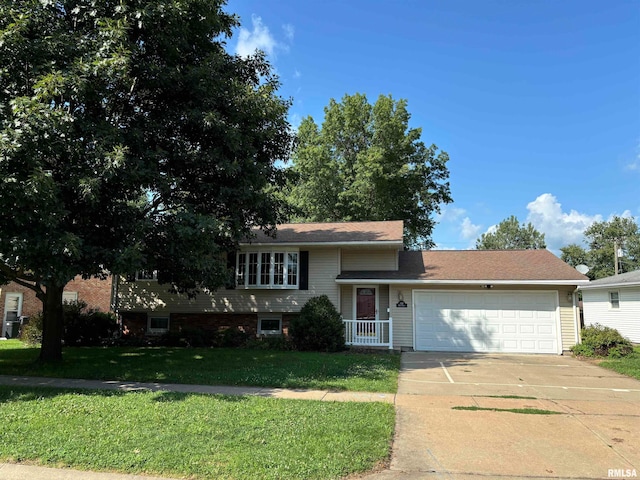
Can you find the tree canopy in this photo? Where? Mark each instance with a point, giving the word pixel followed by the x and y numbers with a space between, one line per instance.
pixel 511 235
pixel 602 239
pixel 364 164
pixel 130 139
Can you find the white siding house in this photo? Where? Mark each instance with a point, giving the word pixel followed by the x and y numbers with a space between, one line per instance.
pixel 614 302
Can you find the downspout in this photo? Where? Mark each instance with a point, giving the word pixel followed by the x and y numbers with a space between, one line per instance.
pixel 576 315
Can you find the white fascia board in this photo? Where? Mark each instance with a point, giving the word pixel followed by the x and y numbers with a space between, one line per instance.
pixel 348 281
pixel 323 244
pixel 610 285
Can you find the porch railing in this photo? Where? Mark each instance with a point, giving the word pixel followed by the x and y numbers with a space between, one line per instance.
pixel 369 333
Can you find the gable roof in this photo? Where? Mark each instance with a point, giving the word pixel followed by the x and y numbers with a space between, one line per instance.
pixel 336 233
pixel 476 267
pixel 629 279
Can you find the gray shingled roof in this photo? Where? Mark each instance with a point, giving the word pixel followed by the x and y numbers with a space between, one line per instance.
pixel 623 279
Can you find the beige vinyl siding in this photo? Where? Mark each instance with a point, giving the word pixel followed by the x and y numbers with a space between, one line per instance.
pixel 383 302
pixel 402 316
pixel 149 296
pixel 369 260
pixel 625 319
pixel 346 299
pixel 567 320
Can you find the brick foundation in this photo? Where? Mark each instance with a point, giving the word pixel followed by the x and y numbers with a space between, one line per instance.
pixel 135 323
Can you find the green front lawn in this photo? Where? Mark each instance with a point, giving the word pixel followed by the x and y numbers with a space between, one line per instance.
pixel 629 365
pixel 199 436
pixel 212 366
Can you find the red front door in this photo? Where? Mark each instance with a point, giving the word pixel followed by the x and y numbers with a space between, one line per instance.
pixel 365 303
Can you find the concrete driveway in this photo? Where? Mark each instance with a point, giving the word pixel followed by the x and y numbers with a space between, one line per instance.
pixel 595 435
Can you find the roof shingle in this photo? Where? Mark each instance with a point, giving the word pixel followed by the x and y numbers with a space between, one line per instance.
pixel 470 265
pixel 337 232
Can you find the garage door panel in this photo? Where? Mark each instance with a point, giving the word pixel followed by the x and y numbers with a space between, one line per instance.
pixel 487 321
pixel 545 330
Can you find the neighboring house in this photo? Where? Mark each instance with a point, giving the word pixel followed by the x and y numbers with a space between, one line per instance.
pixel 614 302
pixel 19 301
pixel 484 301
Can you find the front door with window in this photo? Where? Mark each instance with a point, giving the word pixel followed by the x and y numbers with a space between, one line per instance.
pixel 12 311
pixel 366 310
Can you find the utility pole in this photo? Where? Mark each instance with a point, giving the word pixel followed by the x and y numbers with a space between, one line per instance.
pixel 615 254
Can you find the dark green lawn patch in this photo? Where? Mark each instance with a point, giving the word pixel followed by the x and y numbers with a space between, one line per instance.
pixel 528 411
pixel 212 366
pixel 199 436
pixel 629 365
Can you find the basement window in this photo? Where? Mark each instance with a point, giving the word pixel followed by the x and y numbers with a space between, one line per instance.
pixel 269 325
pixel 157 325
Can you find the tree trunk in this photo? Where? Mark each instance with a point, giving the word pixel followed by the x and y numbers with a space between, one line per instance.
pixel 52 325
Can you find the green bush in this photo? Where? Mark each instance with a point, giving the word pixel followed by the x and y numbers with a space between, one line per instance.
pixel 84 327
pixel 319 327
pixel 81 327
pixel 31 333
pixel 600 341
pixel 233 337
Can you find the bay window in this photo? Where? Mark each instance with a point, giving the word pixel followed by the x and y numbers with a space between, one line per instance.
pixel 267 269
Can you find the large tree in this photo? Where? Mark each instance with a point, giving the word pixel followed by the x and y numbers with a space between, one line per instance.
pixel 511 235
pixel 130 139
pixel 365 163
pixel 603 239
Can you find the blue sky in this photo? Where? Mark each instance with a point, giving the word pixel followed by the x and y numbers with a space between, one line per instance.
pixel 536 102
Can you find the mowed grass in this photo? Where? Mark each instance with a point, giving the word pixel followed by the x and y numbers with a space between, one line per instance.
pixel 192 435
pixel 629 365
pixel 212 366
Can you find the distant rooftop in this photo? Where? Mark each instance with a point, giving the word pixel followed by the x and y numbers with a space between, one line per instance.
pixel 337 232
pixel 622 279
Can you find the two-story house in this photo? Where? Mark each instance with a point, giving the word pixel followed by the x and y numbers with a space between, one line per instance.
pixel 484 301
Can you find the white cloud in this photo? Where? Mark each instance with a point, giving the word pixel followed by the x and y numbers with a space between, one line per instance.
pixel 634 166
pixel 559 228
pixel 450 214
pixel 296 73
pixel 257 39
pixel 288 31
pixel 469 231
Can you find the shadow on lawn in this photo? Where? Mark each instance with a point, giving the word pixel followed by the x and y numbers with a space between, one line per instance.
pixel 17 394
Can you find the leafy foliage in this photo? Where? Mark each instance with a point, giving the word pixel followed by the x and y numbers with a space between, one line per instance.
pixel 511 235
pixel 366 164
pixel 82 326
pixel 600 256
pixel 130 139
pixel 600 341
pixel 31 332
pixel 319 327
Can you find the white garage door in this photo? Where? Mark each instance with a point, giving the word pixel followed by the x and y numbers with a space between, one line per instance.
pixel 462 321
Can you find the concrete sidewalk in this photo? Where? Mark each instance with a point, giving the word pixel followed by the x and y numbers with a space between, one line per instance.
pixel 296 394
pixel 10 471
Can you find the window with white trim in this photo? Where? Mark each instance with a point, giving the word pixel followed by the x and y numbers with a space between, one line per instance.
pixel 268 269
pixel 269 324
pixel 69 297
pixel 614 299
pixel 157 324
